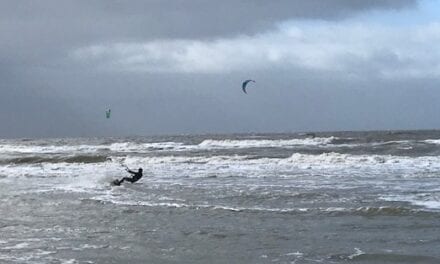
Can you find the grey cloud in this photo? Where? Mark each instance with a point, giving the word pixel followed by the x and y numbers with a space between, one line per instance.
pixel 348 48
pixel 72 21
pixel 43 94
pixel 39 34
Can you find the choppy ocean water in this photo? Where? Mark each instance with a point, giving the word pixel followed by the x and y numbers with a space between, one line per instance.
pixel 365 197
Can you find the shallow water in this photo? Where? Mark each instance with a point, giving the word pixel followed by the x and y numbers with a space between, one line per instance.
pixel 370 197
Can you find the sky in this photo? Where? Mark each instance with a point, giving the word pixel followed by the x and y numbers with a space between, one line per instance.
pixel 176 66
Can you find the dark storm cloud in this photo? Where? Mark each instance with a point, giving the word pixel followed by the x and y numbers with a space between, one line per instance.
pixel 51 22
pixel 34 30
pixel 41 33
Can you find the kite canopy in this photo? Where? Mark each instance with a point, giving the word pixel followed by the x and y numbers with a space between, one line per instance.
pixel 245 83
pixel 107 113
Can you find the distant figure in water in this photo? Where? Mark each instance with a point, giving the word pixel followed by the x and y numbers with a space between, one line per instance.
pixel 136 176
pixel 311 135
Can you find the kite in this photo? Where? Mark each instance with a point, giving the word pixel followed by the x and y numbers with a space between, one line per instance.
pixel 245 83
pixel 107 113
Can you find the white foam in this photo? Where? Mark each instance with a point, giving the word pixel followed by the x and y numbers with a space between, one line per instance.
pixel 74 149
pixel 433 141
pixel 18 246
pixel 71 176
pixel 307 170
pixel 18 148
pixel 357 253
pixel 128 147
pixel 216 144
pixel 115 200
pixel 297 254
pixel 184 159
pixel 44 252
pixel 83 247
pixel 69 261
pixel 299 161
pixel 29 149
pixel 124 201
pixel 337 160
pixel 144 147
pixel 429 200
pixel 88 246
pixel 428 204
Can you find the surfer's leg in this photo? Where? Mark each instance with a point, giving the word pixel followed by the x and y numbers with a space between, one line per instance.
pixel 130 180
pixel 118 182
pixel 126 179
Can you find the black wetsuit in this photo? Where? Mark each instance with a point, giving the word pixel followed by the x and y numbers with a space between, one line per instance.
pixel 136 176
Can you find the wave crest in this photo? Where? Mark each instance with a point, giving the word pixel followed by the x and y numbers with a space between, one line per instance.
pixel 265 143
pixel 55 159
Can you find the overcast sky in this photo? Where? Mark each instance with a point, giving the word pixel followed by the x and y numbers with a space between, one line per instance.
pixel 176 66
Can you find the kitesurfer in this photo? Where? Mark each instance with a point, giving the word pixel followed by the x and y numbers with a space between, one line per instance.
pixel 136 176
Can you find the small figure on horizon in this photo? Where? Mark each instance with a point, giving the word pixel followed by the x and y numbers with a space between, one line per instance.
pixel 136 176
pixel 310 135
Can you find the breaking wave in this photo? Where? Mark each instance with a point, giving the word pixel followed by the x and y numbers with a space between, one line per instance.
pixel 264 143
pixel 55 159
pixel 363 257
pixel 325 160
pixel 124 147
pixel 361 211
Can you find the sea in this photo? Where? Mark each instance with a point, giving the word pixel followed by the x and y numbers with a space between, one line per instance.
pixel 342 197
